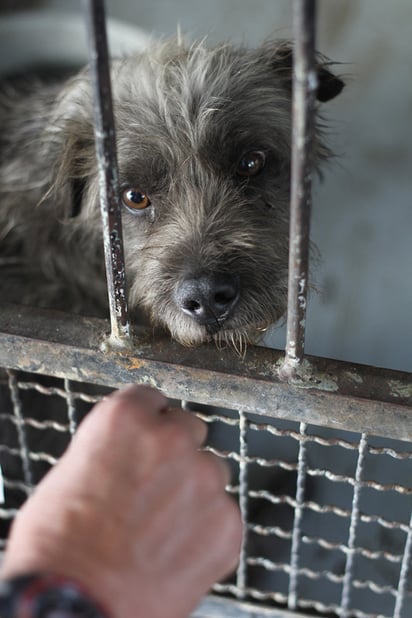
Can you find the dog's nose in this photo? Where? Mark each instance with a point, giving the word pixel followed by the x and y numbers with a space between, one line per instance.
pixel 208 299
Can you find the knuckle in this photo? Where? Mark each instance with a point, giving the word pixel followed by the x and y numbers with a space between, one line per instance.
pixel 137 400
pixel 131 409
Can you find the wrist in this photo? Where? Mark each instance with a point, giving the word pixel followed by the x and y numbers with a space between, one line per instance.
pixel 46 596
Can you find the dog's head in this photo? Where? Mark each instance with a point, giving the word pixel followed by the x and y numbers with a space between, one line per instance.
pixel 204 148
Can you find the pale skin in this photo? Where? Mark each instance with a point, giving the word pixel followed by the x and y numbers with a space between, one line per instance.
pixel 133 511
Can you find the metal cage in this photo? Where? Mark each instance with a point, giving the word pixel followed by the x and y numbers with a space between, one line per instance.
pixel 320 450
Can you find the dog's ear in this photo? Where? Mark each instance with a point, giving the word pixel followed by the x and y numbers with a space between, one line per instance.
pixel 329 85
pixel 71 134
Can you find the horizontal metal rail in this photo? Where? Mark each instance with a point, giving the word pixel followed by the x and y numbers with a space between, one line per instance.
pixel 216 607
pixel 334 394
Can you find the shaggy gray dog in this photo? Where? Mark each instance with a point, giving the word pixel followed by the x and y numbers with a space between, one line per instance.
pixel 204 141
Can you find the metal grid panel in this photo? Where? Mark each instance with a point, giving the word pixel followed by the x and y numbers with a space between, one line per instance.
pixel 326 513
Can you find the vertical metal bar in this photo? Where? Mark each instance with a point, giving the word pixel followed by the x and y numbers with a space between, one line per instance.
pixel 108 174
pixel 296 532
pixel 241 573
pixel 350 556
pixel 21 429
pixel 303 105
pixel 404 574
pixel 71 407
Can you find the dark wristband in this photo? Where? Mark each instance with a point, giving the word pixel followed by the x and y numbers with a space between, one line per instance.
pixel 46 596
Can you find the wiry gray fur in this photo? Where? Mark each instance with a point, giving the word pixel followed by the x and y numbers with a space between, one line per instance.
pixel 184 118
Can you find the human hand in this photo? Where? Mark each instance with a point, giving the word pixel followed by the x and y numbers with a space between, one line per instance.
pixel 133 511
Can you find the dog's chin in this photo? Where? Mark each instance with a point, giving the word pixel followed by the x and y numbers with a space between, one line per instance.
pixel 236 333
pixel 233 338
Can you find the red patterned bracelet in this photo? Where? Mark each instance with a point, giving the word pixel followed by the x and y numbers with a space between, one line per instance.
pixel 46 596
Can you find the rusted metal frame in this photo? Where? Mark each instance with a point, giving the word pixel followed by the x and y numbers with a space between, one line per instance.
pixel 303 124
pixel 216 607
pixel 110 206
pixel 335 394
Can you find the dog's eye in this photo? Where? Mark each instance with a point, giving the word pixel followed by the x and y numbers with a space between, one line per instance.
pixel 251 163
pixel 135 199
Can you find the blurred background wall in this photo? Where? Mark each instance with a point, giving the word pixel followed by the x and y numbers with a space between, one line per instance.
pixel 362 216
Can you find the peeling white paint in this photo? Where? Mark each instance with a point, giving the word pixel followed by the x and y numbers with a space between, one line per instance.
pixel 354 377
pixel 398 389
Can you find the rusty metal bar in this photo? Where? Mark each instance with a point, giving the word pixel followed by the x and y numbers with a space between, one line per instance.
pixel 303 105
pixel 108 175
pixel 334 394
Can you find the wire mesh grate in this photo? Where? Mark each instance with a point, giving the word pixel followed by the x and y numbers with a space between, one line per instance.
pixel 327 514
pixel 38 417
pixel 336 549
